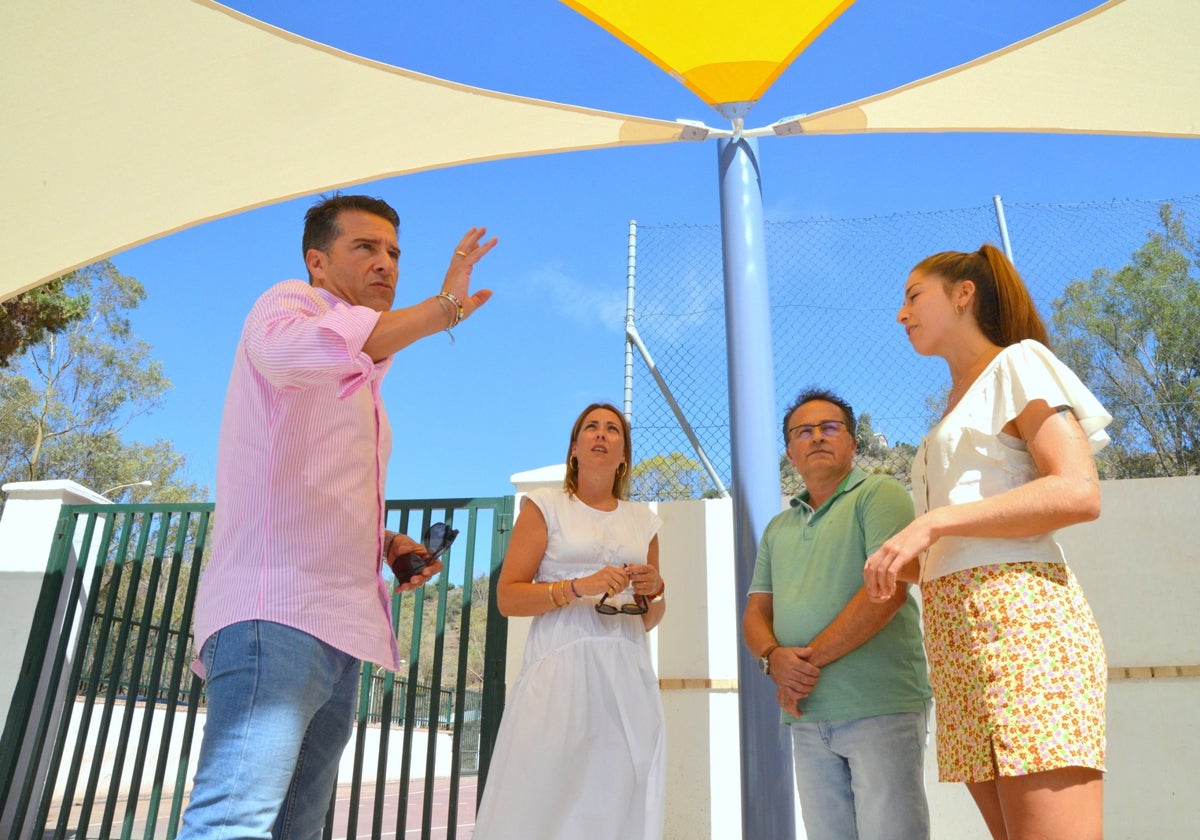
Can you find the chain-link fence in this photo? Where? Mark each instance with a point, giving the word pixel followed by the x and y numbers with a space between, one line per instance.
pixel 835 287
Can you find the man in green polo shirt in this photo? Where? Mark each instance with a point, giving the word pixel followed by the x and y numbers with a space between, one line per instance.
pixel 850 675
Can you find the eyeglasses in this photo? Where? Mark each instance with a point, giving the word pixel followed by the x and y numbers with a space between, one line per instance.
pixel 829 428
pixel 637 606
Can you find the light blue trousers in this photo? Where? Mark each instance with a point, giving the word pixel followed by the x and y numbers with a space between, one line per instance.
pixel 280 711
pixel 863 779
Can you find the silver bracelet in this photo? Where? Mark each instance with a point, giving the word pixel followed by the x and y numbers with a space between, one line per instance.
pixel 442 300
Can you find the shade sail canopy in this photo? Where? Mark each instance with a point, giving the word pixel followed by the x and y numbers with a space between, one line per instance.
pixel 1126 67
pixel 126 121
pixel 727 54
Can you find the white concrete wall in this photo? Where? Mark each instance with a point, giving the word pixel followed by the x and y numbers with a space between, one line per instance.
pixel 697 669
pixel 1140 567
pixel 26 535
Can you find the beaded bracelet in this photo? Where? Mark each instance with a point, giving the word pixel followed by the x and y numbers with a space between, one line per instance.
pixel 458 307
pixel 574 591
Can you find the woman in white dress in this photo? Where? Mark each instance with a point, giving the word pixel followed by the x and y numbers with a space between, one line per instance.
pixel 1015 657
pixel 581 749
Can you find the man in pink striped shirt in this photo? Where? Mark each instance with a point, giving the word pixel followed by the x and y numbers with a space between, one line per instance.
pixel 293 599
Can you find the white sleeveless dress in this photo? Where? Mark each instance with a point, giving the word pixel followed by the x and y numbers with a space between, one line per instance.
pixel 581 750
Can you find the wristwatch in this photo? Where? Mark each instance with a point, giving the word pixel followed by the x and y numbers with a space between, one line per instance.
pixel 764 660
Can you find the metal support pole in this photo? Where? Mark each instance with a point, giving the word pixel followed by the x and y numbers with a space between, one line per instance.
pixel 768 812
pixel 1003 225
pixel 630 283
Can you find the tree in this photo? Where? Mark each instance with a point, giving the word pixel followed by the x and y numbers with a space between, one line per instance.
pixel 67 397
pixel 666 477
pixel 29 317
pixel 790 482
pixel 895 461
pixel 868 443
pixel 1133 336
pixel 449 638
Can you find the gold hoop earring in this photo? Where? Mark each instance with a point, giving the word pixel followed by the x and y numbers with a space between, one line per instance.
pixel 621 469
pixel 958 309
pixel 574 463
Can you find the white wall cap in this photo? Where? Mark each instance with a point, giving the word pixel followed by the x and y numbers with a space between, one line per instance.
pixel 551 476
pixel 70 492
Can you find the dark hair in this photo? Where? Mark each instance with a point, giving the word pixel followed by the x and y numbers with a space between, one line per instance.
pixel 824 395
pixel 1002 306
pixel 321 221
pixel 620 487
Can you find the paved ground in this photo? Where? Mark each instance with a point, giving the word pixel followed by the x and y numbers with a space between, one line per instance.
pixel 465 822
pixel 441 797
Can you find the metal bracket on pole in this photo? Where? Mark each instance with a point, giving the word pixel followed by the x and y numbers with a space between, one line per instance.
pixel 632 338
pixel 1003 227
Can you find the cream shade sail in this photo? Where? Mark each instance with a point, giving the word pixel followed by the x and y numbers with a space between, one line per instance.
pixel 727 54
pixel 1126 67
pixel 123 122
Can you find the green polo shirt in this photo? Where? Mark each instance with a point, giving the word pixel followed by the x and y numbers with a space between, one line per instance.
pixel 811 563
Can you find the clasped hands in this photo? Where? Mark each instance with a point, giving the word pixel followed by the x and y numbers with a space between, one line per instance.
pixel 794 675
pixel 612 579
pixel 403 544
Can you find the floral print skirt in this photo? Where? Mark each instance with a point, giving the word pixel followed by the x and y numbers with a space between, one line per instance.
pixel 1018 671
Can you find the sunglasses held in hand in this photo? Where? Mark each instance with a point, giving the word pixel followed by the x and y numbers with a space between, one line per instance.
pixel 635 607
pixel 638 606
pixel 437 540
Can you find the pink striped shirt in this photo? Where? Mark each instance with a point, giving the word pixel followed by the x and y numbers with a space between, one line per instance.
pixel 305 440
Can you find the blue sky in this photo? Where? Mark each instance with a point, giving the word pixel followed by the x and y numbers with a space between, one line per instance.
pixel 500 400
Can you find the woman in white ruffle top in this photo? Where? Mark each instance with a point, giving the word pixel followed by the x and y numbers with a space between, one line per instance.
pixel 1015 657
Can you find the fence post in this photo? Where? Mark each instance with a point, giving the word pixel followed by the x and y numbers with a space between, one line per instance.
pixel 28 531
pixel 630 283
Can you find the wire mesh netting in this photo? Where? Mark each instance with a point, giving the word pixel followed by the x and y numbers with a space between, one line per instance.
pixel 835 287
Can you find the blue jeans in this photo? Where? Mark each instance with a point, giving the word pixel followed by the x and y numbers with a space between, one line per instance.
pixel 863 778
pixel 280 712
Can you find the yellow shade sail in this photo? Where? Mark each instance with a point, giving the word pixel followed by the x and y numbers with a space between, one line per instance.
pixel 727 54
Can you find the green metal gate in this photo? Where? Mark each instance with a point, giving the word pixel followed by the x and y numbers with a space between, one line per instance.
pixel 102 728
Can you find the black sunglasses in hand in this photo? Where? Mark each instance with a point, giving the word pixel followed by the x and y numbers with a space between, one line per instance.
pixel 437 540
pixel 637 606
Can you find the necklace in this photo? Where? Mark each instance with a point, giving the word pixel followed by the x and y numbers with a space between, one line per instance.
pixel 960 388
